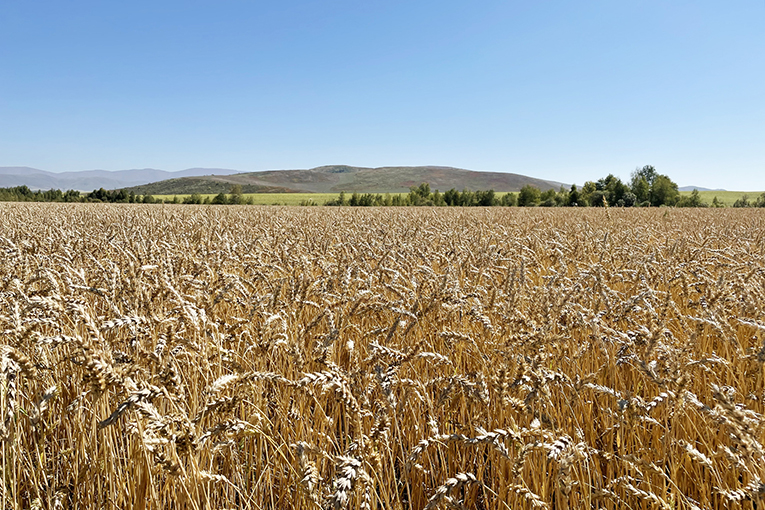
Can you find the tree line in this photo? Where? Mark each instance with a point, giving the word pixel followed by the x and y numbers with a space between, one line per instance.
pixel 646 188
pixel 24 194
pixel 119 196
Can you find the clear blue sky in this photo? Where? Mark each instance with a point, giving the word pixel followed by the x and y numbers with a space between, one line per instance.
pixel 568 91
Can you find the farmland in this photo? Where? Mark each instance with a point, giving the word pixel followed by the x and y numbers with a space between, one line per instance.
pixel 726 198
pixel 267 198
pixel 245 357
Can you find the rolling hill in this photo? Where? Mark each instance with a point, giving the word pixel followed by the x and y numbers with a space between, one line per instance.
pixel 336 178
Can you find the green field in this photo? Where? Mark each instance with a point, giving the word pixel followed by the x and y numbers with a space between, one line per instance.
pixel 727 198
pixel 271 198
pixel 280 198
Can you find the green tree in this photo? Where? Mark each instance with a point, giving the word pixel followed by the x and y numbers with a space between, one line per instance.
pixel 561 197
pixel 220 199
pixel 452 197
pixel 509 200
pixel 236 194
pixel 573 197
pixel 648 173
pixel 587 192
pixel 664 191
pixel 641 189
pixel 529 196
pixel 420 195
pixel 613 189
pixel 194 198
pixel 486 198
pixel 547 198
pixel 692 200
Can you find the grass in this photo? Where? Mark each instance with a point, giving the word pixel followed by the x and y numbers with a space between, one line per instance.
pixel 276 198
pixel 727 198
pixel 198 357
pixel 271 198
pixel 284 198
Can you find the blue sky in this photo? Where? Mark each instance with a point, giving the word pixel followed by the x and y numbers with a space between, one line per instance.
pixel 567 91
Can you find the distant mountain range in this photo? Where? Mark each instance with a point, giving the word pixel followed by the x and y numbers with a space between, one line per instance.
pixel 336 178
pixel 691 188
pixel 324 179
pixel 93 179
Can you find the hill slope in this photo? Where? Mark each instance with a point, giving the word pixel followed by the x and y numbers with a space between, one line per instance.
pixel 336 178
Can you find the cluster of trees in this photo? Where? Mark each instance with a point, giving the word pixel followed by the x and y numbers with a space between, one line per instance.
pixel 234 198
pixel 120 196
pixel 24 194
pixel 646 188
pixel 422 196
pixel 744 201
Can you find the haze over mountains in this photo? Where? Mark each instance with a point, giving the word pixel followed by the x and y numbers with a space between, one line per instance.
pixel 93 179
pixel 324 179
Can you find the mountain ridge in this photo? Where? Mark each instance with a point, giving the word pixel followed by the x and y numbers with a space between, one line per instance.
pixel 321 179
pixel 88 180
pixel 337 178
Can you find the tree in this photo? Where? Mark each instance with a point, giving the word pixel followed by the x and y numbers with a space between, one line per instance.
pixel 195 198
pixel 236 194
pixel 664 191
pixel 598 199
pixel 420 195
pixel 452 197
pixel 573 197
pixel 508 200
pixel 486 198
pixel 648 173
pixel 561 197
pixel 629 199
pixel 692 200
pixel 529 196
pixel 641 181
pixel 613 189
pixel 72 196
pixel 641 189
pixel 547 198
pixel 586 194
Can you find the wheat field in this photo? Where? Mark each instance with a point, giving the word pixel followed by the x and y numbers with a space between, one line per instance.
pixel 239 357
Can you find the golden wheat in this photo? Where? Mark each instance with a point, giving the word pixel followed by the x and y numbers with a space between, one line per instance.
pixel 247 357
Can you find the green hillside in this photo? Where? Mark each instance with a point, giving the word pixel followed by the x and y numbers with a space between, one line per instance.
pixel 336 178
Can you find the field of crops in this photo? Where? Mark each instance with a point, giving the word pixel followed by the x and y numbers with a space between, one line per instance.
pixel 244 357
